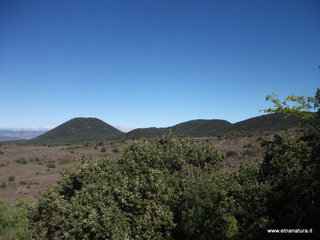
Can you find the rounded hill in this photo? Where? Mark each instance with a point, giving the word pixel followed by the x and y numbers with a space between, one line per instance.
pixel 79 130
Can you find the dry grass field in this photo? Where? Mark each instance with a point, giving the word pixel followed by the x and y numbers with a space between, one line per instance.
pixel 26 170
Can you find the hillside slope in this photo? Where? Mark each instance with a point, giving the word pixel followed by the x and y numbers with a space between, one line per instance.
pixel 78 130
pixel 207 128
pixel 268 122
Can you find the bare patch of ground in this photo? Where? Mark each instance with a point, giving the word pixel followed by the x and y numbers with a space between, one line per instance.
pixel 26 170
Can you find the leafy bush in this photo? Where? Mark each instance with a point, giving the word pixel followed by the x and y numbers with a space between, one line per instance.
pixel 14 223
pixel 208 211
pixel 250 192
pixel 137 196
pixel 292 166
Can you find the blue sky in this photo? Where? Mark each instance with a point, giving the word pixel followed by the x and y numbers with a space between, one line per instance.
pixel 153 62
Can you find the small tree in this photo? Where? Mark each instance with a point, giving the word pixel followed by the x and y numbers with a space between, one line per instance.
pixel 305 108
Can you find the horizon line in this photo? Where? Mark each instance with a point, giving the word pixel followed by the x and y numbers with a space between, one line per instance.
pixel 123 128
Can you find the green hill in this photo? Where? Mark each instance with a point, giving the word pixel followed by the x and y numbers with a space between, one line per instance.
pixel 93 129
pixel 198 128
pixel 145 132
pixel 268 122
pixel 193 128
pixel 79 130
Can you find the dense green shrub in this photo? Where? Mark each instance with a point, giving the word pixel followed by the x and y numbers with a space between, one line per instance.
pixel 292 166
pixel 137 196
pixel 14 223
pixel 173 189
pixel 250 192
pixel 208 209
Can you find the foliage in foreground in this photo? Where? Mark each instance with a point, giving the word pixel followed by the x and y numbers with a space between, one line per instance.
pixel 173 189
pixel 13 222
pixel 142 195
pixel 305 108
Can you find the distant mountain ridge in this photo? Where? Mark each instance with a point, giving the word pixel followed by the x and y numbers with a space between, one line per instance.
pixel 93 129
pixel 10 135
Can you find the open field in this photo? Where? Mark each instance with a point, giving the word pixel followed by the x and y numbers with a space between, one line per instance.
pixel 25 170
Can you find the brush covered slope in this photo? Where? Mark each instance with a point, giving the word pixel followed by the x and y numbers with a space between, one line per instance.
pixel 199 128
pixel 268 122
pixel 214 127
pixel 79 130
pixel 193 128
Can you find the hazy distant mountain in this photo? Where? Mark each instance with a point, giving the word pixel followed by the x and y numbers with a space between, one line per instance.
pixel 79 130
pixel 10 135
pixel 8 138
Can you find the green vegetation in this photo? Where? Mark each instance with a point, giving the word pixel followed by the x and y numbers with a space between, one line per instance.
pixel 266 123
pixel 171 188
pixel 92 129
pixel 137 196
pixel 79 130
pixel 306 109
pixel 219 128
pixel 14 223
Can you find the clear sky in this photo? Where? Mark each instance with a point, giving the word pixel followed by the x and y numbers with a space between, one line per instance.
pixel 142 63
